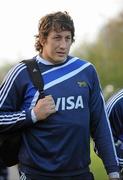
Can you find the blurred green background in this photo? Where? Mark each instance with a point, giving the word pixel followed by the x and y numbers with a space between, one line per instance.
pixel 97 167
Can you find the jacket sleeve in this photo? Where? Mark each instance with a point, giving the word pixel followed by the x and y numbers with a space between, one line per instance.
pixel 100 129
pixel 12 114
pixel 114 109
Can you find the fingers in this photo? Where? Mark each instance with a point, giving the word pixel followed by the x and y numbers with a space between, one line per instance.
pixel 44 107
pixel 47 99
pixel 50 104
pixel 52 108
pixel 47 103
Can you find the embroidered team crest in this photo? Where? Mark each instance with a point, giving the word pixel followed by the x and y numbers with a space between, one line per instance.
pixel 82 84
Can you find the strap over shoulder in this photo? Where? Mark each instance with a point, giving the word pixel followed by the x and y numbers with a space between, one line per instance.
pixel 35 75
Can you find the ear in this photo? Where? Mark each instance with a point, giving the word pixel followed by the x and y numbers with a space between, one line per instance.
pixel 42 41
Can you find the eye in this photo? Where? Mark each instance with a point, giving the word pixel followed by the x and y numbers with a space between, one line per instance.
pixel 57 37
pixel 68 38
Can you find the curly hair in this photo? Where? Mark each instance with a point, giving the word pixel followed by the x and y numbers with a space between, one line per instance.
pixel 59 21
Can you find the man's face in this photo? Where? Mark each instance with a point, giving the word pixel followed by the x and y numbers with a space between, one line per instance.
pixel 56 47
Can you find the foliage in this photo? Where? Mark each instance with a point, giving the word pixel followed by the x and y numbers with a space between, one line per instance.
pixel 97 167
pixel 106 53
pixel 3 70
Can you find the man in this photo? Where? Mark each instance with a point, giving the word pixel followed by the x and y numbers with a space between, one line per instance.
pixel 114 107
pixel 56 139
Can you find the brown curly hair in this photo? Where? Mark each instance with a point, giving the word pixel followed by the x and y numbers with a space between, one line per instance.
pixel 59 21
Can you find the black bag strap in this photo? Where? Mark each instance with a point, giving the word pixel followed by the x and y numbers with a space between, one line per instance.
pixel 35 75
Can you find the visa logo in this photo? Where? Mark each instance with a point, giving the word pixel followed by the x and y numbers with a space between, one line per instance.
pixel 69 103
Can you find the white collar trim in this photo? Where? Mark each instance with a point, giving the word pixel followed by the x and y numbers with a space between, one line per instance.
pixel 43 61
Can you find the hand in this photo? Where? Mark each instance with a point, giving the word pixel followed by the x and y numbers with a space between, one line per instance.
pixel 44 108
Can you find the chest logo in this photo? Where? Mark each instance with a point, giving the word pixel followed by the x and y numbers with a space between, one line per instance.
pixel 82 84
pixel 69 103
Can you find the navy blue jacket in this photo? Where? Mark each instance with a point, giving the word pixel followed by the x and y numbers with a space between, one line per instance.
pixel 114 108
pixel 59 145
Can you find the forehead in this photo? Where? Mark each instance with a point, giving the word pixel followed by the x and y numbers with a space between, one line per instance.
pixel 60 33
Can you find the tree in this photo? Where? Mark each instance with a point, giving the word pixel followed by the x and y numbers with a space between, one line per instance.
pixel 3 70
pixel 106 53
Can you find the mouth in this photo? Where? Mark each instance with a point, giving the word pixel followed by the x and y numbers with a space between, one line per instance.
pixel 61 54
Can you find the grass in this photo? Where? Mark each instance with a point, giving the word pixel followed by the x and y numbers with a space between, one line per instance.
pixel 97 166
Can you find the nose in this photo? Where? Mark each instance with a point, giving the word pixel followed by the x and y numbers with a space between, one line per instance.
pixel 63 43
